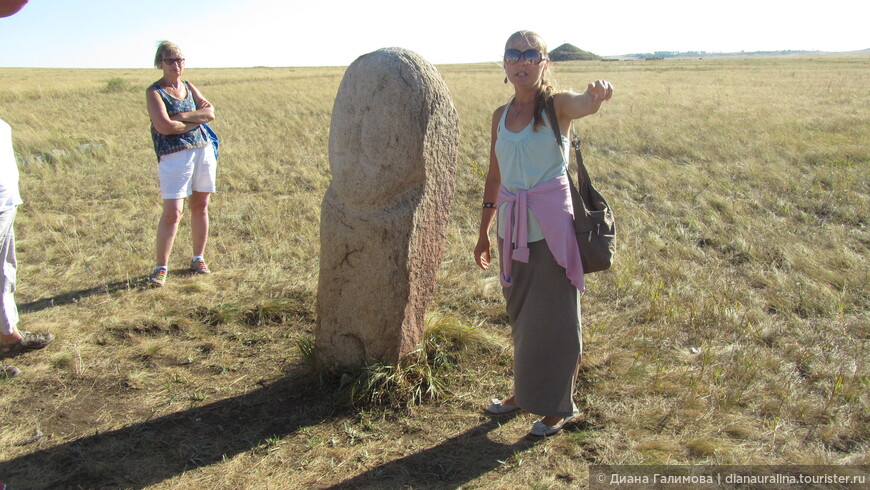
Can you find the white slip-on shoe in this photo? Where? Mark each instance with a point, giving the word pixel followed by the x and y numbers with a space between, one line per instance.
pixel 541 429
pixel 498 408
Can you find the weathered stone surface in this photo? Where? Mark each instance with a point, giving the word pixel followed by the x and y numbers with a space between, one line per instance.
pixel 393 145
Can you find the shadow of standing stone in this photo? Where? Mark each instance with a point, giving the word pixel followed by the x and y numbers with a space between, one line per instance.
pixel 393 145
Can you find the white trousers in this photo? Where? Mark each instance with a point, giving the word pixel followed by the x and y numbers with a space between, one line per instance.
pixel 8 310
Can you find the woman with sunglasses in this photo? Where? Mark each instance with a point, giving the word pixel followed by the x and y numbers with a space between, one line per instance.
pixel 187 161
pixel 541 272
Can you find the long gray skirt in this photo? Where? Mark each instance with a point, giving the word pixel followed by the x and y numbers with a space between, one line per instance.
pixel 544 311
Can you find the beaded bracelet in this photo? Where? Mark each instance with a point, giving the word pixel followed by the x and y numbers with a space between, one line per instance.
pixel 489 204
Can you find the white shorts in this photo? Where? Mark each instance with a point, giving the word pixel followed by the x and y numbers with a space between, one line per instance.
pixel 183 172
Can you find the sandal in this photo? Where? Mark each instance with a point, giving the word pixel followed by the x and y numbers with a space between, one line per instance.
pixel 29 341
pixel 498 408
pixel 541 429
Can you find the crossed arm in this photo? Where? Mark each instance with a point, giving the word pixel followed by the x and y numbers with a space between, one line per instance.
pixel 182 122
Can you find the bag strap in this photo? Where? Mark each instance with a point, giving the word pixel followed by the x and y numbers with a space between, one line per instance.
pixel 582 174
pixel 582 193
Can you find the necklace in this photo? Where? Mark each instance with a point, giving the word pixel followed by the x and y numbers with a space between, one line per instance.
pixel 517 111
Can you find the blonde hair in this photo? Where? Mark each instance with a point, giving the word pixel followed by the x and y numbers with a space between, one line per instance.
pixel 547 88
pixel 164 47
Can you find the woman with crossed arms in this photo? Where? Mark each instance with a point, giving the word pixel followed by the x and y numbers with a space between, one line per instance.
pixel 187 165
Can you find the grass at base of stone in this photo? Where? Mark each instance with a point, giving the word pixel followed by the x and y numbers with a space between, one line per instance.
pixel 423 375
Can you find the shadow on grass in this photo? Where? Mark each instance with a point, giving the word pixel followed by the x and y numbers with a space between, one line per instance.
pixel 135 283
pixel 71 297
pixel 450 464
pixel 149 452
pixel 152 451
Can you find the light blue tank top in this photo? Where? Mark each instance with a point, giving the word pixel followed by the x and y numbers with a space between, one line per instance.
pixel 525 159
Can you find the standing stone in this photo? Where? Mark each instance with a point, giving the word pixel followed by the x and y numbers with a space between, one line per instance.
pixel 393 145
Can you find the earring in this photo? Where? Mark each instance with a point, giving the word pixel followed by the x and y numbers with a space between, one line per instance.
pixel 505 79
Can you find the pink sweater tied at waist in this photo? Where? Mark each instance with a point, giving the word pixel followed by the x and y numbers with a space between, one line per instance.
pixel 550 201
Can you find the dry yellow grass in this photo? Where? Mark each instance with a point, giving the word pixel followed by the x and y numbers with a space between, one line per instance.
pixel 732 329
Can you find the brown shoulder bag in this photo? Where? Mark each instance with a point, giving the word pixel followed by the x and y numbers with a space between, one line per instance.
pixel 593 218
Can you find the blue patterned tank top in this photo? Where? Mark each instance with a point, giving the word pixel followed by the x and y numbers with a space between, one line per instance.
pixel 171 143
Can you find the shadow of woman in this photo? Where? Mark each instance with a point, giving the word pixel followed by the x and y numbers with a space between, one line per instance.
pixel 133 283
pixel 71 297
pixel 450 464
pixel 149 452
pixel 152 451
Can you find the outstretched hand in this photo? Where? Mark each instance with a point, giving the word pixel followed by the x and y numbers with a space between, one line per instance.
pixel 600 90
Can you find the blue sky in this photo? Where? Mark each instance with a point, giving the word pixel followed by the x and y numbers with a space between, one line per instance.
pixel 222 33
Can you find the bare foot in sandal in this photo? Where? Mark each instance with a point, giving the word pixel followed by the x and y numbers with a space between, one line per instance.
pixel 20 342
pixel 548 426
pixel 507 405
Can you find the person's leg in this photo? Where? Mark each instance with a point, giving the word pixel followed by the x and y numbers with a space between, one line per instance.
pixel 167 228
pixel 199 220
pixel 203 185
pixel 12 340
pixel 544 312
pixel 8 311
pixel 553 420
pixel 175 173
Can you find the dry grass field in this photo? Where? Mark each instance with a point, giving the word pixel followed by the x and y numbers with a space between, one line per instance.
pixel 733 328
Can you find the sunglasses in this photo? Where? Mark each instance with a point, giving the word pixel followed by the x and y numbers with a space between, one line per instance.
pixel 533 56
pixel 172 61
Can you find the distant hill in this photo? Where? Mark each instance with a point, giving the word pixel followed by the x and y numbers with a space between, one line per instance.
pixel 569 52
